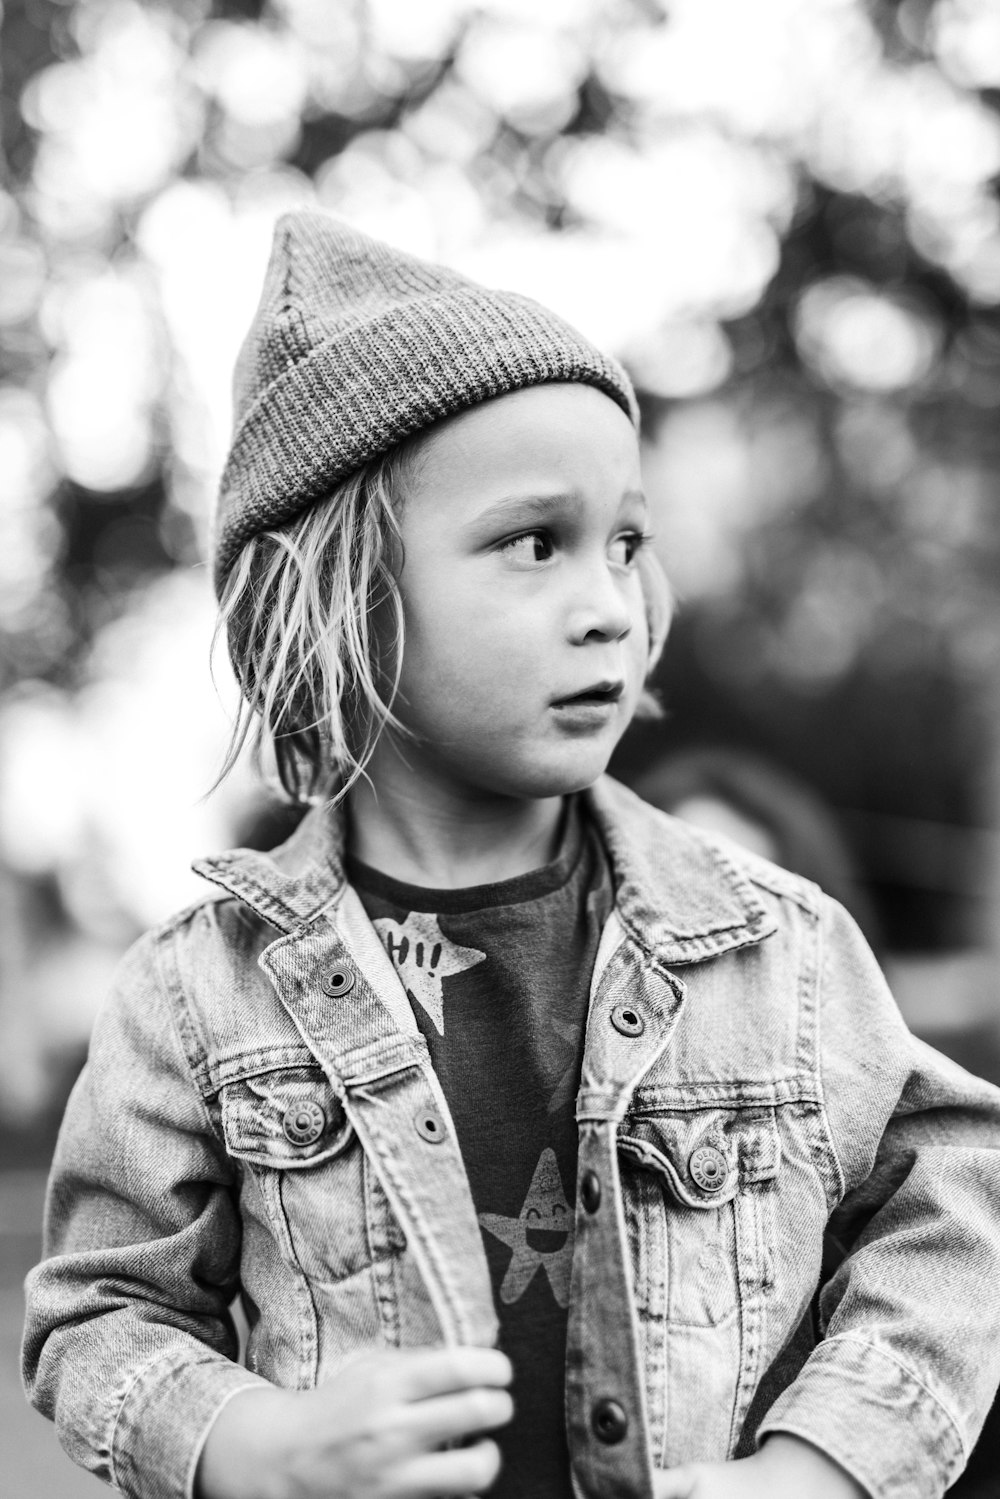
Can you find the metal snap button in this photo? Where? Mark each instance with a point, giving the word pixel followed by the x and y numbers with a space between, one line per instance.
pixel 429 1126
pixel 627 1020
pixel 608 1422
pixel 337 981
pixel 708 1168
pixel 590 1191
pixel 303 1123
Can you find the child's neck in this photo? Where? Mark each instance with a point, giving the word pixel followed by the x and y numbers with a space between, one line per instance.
pixel 445 837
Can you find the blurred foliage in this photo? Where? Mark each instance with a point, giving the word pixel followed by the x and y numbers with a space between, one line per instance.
pixel 784 216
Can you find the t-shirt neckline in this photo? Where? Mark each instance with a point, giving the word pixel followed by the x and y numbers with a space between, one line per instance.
pixel 522 887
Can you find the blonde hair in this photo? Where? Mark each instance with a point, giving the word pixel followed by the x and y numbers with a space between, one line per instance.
pixel 313 620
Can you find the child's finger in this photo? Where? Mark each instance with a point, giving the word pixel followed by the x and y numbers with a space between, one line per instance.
pixel 428 1372
pixel 439 1475
pixel 676 1483
pixel 449 1418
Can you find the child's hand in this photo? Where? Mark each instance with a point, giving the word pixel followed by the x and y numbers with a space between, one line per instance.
pixel 784 1468
pixel 377 1429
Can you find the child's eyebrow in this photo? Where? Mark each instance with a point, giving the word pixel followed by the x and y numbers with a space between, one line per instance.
pixel 530 509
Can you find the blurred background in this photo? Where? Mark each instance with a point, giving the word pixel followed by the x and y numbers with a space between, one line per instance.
pixel 782 215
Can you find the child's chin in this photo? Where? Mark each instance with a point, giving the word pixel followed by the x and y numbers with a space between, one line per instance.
pixel 564 779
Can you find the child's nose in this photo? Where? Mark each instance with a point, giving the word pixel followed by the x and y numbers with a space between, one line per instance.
pixel 601 611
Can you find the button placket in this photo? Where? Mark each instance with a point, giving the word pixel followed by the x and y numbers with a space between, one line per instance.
pixel 632 1016
pixel 605 1396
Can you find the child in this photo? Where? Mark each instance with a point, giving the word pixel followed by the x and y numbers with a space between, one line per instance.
pixel 490 1051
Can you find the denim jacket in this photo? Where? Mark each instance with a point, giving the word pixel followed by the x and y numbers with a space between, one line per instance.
pixel 787 1209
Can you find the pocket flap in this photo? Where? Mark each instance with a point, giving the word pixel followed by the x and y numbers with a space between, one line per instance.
pixel 285 1118
pixel 705 1156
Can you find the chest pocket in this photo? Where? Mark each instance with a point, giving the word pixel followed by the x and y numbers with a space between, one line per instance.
pixel 714 1168
pixel 287 1119
pixel 304 1173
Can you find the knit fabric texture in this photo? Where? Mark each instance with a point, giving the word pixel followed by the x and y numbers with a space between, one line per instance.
pixel 356 346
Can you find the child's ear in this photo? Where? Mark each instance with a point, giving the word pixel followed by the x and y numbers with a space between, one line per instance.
pixel 649 708
pixel 659 603
pixel 659 614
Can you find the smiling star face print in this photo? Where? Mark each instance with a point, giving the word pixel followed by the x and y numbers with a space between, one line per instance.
pixel 541 1236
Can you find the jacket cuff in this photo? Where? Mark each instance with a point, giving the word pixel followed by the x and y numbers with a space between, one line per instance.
pixel 164 1419
pixel 867 1411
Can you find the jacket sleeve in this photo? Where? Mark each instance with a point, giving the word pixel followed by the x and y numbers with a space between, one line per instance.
pixel 129 1345
pixel 900 1384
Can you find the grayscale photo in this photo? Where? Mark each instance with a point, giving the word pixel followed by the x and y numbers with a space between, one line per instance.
pixel 500 749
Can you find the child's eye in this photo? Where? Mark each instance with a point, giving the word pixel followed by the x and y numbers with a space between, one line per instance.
pixel 533 546
pixel 624 548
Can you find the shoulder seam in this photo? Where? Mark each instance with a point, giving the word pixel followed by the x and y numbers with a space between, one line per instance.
pixel 787 886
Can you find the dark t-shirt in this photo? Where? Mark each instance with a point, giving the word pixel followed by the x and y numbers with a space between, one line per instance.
pixel 499 979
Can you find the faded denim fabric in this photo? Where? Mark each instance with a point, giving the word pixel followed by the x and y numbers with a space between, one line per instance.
pixel 761 1126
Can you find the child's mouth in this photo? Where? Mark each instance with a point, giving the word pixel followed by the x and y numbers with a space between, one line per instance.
pixel 602 694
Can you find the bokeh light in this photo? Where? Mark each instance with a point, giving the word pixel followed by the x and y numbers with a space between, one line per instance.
pixel 858 336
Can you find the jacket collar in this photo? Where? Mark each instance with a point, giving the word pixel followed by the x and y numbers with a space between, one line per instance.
pixel 680 895
pixel 290 885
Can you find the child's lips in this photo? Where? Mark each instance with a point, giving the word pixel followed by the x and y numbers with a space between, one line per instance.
pixel 600 694
pixel 591 710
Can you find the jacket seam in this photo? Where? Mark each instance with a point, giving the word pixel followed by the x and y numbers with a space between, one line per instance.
pixel 140 1373
pixel 704 935
pixel 268 898
pixel 798 894
pixel 301 925
pixel 912 1375
pixel 243 1067
pixel 821 953
pixel 783 1093
pixel 735 877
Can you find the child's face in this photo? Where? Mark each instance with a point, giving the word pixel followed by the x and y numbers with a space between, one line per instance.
pixel 526 637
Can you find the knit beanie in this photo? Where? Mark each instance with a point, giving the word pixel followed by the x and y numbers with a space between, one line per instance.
pixel 356 346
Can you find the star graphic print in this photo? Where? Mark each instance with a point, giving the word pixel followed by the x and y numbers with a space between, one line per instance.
pixel 422 956
pixel 567 1033
pixel 541 1236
